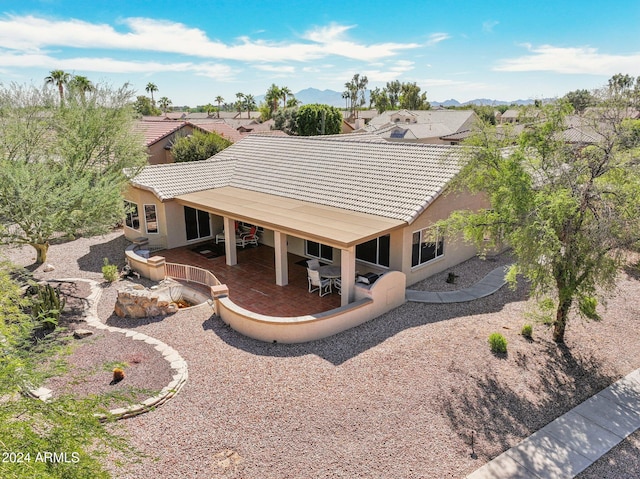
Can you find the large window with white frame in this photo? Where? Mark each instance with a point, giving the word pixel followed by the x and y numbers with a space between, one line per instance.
pixel 319 250
pixel 151 218
pixel 375 251
pixel 197 223
pixel 427 245
pixel 132 219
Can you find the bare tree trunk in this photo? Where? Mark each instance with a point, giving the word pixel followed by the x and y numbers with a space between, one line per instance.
pixel 41 249
pixel 560 323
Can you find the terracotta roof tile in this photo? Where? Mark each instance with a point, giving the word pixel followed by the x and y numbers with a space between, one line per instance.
pixel 393 180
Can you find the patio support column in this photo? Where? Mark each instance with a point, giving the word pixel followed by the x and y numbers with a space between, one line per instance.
pixel 282 267
pixel 230 241
pixel 348 274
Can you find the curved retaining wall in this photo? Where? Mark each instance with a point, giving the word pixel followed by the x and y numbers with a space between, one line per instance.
pixel 387 293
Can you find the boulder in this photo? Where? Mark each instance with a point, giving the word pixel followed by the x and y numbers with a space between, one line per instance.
pixel 134 302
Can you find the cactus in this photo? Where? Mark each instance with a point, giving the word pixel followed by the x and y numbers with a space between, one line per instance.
pixel 48 305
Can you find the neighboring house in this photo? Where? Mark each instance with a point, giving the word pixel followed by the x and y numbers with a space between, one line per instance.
pixel 421 126
pixel 221 128
pixel 159 135
pixel 368 206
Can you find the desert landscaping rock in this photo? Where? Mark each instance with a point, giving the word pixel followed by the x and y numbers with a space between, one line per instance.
pixel 396 397
pixel 82 333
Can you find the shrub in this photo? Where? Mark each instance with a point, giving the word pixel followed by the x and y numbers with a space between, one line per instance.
pixel 527 331
pixel 109 271
pixel 498 343
pixel 48 305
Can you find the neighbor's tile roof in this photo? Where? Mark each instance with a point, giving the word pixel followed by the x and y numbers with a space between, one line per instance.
pixel 153 130
pixel 428 123
pixel 392 180
pixel 221 128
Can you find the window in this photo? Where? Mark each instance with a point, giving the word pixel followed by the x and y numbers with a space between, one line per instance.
pixel 197 223
pixel 428 244
pixel 151 218
pixel 375 251
pixel 132 220
pixel 318 250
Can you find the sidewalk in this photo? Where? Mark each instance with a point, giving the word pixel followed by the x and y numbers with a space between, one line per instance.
pixel 567 446
pixel 491 283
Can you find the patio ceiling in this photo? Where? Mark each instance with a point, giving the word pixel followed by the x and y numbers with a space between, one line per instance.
pixel 328 225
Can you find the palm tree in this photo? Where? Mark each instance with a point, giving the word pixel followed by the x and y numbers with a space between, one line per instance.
pixel 240 102
pixel 82 85
pixel 219 100
pixel 164 103
pixel 58 78
pixel 284 91
pixel 249 104
pixel 272 98
pixel 150 88
pixel 209 108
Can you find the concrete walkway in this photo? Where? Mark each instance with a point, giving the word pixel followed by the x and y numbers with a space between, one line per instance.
pixel 567 446
pixel 491 283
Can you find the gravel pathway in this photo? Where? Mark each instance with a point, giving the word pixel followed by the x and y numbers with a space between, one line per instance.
pixel 400 396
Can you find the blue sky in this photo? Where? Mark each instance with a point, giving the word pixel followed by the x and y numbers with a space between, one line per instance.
pixel 195 51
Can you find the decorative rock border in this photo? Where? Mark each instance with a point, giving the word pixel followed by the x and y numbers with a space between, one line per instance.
pixel 177 363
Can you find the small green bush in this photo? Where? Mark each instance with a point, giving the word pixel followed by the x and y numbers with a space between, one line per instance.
pixel 498 343
pixel 109 271
pixel 527 331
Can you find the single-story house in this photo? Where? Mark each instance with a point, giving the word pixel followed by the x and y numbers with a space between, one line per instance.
pixel 159 135
pixel 367 206
pixel 421 126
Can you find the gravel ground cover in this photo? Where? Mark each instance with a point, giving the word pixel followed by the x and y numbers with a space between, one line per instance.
pixel 401 396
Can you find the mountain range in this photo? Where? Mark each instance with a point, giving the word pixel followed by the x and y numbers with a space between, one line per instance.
pixel 334 98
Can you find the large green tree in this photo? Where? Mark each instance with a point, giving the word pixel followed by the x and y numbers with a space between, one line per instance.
pixel 198 146
pixel 411 98
pixel 580 100
pixel 355 93
pixel 62 170
pixel 568 210
pixel 317 119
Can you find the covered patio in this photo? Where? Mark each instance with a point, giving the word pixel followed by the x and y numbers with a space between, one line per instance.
pixel 251 281
pixel 287 218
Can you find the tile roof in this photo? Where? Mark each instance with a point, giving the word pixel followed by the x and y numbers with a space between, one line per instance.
pixel 153 130
pixel 220 127
pixel 392 180
pixel 448 121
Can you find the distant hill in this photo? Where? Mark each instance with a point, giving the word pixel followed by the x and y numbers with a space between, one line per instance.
pixel 334 98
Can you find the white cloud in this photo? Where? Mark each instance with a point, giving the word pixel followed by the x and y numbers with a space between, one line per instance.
pixel 275 68
pixel 489 25
pixel 33 34
pixel 436 38
pixel 110 65
pixel 573 60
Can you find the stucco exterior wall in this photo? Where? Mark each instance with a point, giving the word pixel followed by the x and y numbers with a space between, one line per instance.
pixel 172 234
pixel 455 249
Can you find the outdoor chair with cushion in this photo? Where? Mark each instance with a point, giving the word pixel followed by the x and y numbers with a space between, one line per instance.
pixel 250 237
pixel 220 237
pixel 323 286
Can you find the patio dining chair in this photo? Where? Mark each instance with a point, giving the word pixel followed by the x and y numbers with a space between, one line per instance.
pixel 337 282
pixel 316 283
pixel 250 237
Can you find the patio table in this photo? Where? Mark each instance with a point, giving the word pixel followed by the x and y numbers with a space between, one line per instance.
pixel 330 272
